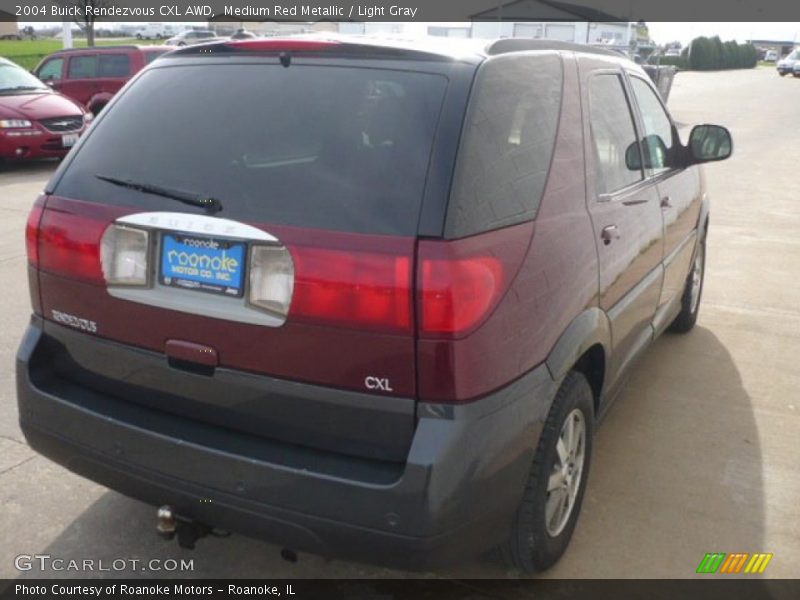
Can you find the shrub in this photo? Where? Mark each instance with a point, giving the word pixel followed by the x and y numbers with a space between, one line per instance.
pixel 709 54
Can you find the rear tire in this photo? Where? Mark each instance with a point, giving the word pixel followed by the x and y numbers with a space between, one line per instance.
pixel 692 293
pixel 540 533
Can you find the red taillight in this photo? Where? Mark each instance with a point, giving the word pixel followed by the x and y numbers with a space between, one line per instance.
pixel 278 45
pixel 32 231
pixel 69 245
pixel 32 248
pixel 460 282
pixel 456 294
pixel 365 289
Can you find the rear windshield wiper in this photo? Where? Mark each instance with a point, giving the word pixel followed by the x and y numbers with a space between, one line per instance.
pixel 211 205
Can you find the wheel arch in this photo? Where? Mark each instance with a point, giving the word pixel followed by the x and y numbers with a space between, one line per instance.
pixel 584 346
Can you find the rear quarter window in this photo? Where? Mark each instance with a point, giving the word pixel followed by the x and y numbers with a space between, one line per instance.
pixel 151 55
pixel 507 143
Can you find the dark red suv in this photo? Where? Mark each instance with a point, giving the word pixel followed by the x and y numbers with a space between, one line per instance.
pixel 365 300
pixel 91 76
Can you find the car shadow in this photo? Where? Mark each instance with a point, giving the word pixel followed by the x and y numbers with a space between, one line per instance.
pixel 676 473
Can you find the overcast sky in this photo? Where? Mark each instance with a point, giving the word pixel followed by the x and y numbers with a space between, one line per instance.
pixel 685 32
pixel 660 32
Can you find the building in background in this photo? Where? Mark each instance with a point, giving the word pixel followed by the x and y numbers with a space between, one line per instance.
pixel 450 31
pixel 527 19
pixel 552 20
pixel 782 48
pixel 9 30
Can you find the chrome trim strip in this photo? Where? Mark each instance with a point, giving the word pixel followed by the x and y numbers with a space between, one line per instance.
pixel 187 301
pixel 201 224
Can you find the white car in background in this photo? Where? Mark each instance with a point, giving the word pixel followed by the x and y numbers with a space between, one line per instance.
pixel 188 38
pixel 786 65
pixel 155 31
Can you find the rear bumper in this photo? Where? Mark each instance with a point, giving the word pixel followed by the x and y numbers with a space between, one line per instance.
pixel 453 497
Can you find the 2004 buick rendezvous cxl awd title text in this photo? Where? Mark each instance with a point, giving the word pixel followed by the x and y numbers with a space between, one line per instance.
pixel 368 298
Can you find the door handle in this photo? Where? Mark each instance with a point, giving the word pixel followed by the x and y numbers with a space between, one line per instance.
pixel 666 202
pixel 609 234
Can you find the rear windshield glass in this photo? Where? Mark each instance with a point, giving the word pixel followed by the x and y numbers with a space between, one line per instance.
pixel 327 147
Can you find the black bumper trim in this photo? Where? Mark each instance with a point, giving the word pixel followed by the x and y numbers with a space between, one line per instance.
pixel 455 497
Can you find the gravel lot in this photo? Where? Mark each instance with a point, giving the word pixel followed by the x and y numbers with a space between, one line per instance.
pixel 700 453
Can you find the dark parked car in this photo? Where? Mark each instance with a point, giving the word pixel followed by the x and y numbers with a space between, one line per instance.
pixel 243 34
pixel 35 121
pixel 374 306
pixel 92 76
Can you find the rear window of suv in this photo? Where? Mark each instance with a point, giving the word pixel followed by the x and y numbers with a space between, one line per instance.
pixel 326 147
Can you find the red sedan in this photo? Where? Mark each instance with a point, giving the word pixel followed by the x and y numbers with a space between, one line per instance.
pixel 35 121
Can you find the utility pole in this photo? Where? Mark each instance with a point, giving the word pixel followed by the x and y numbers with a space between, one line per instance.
pixel 67 34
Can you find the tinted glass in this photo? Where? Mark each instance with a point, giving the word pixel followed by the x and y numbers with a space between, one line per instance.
pixel 507 144
pixel 151 55
pixel 613 133
pixel 328 147
pixel 83 67
pixel 658 143
pixel 52 69
pixel 113 65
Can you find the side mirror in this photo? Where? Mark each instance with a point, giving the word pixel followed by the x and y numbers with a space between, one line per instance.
pixel 633 158
pixel 709 143
pixel 655 153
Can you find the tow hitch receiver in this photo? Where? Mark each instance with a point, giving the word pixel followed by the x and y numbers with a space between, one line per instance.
pixel 188 532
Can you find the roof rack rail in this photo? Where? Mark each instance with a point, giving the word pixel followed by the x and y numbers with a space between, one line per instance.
pixel 82 48
pixel 508 45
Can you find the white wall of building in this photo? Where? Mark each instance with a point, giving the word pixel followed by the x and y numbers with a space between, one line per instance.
pixel 567 31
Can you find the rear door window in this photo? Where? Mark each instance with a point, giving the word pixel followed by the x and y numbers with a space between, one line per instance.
pixel 113 65
pixel 326 147
pixel 658 142
pixel 83 67
pixel 613 133
pixel 507 143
